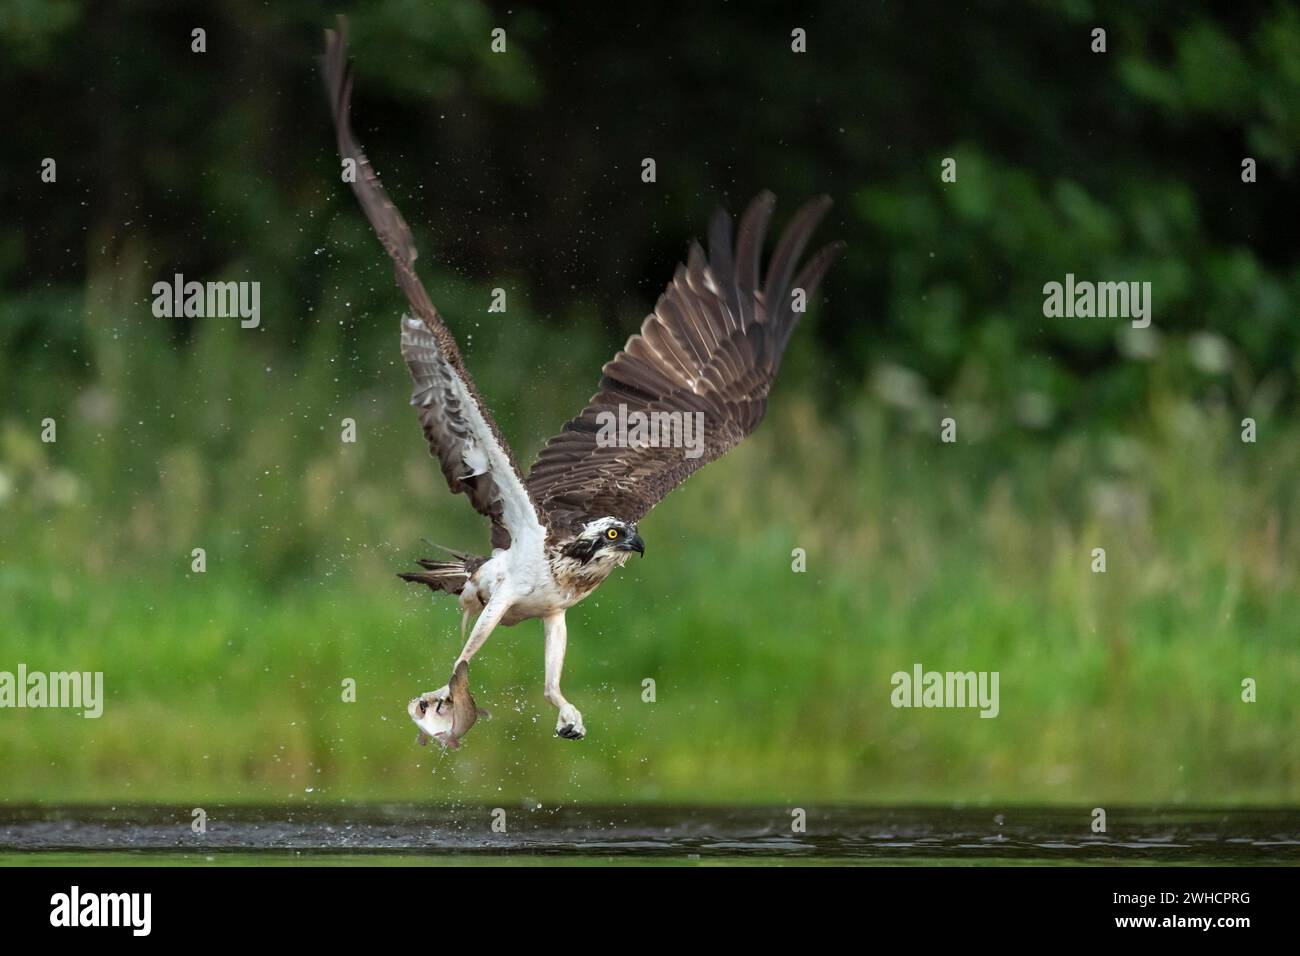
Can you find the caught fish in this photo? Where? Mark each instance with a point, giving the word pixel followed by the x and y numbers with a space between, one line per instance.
pixel 448 714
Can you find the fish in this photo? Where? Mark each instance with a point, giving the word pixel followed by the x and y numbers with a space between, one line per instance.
pixel 446 715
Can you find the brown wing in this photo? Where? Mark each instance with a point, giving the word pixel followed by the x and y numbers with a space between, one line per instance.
pixel 459 427
pixel 712 345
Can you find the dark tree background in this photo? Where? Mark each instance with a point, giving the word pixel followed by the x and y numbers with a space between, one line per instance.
pixel 1122 165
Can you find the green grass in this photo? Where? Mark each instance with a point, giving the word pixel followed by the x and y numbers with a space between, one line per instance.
pixel 772 686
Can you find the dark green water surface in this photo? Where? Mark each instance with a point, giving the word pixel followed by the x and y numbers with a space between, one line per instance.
pixel 423 834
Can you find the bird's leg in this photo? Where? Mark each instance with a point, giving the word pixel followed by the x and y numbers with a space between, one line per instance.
pixel 569 726
pixel 492 613
pixel 444 692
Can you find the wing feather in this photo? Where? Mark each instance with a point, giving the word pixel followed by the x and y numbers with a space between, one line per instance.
pixel 749 246
pixel 460 430
pixel 712 345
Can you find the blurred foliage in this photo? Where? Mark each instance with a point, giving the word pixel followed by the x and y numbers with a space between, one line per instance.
pixel 522 171
pixel 770 686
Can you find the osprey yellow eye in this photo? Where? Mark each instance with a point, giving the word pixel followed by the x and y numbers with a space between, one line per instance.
pixel 612 534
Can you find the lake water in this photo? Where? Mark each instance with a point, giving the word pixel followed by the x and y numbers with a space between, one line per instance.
pixel 416 834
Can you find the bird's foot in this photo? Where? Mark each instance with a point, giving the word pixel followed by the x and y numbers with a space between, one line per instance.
pixel 570 726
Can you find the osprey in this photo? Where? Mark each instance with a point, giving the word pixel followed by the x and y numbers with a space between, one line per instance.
pixel 710 350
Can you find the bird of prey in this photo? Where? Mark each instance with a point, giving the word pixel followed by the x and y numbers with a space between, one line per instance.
pixel 710 351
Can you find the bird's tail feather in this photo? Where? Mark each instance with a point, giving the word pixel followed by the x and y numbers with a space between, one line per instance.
pixel 449 576
pixel 461 555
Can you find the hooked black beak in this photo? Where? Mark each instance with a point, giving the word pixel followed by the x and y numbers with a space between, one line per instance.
pixel 635 543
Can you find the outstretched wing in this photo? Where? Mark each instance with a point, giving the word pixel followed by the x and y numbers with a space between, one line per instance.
pixel 460 430
pixel 712 346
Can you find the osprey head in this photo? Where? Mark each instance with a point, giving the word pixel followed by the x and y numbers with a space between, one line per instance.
pixel 606 539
